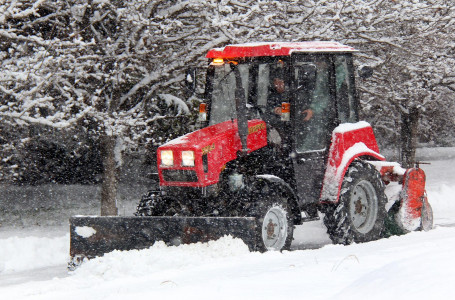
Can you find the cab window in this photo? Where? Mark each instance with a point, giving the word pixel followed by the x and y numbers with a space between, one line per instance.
pixel 344 89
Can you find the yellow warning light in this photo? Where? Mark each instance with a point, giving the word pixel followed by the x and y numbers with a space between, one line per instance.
pixel 217 61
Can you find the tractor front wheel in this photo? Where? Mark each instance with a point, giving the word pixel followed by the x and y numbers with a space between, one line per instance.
pixel 276 229
pixel 153 204
pixel 360 213
pixel 274 219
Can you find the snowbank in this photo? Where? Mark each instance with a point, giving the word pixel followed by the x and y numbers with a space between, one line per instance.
pixel 27 253
pixel 161 258
pixel 442 200
pixel 414 266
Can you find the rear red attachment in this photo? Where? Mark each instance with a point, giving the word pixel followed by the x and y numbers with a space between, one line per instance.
pixel 413 198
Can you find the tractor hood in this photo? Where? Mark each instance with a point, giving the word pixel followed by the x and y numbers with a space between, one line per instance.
pixel 212 147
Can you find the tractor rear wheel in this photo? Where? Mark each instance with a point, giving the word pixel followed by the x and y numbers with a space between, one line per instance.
pixel 360 213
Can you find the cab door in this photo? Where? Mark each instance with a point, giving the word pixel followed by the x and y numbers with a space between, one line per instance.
pixel 314 118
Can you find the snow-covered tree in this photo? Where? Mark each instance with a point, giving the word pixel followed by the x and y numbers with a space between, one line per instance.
pixel 70 64
pixel 74 63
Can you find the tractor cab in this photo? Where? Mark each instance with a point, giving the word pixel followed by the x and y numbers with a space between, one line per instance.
pixel 301 90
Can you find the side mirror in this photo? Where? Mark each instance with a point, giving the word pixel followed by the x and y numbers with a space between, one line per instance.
pixel 366 72
pixel 190 80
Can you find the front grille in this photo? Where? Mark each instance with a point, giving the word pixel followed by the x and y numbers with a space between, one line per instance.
pixel 179 175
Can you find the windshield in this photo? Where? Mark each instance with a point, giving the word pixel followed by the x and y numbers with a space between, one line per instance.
pixel 223 100
pixel 257 82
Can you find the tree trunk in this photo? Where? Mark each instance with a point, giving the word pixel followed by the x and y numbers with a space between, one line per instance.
pixel 409 124
pixel 110 172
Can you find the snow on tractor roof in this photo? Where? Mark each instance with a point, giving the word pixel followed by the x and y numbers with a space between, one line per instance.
pixel 276 49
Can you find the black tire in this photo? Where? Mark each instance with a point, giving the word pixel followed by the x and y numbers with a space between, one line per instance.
pixel 360 213
pixel 153 204
pixel 275 226
pixel 145 206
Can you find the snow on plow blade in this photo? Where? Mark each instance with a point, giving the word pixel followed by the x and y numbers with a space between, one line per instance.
pixel 94 236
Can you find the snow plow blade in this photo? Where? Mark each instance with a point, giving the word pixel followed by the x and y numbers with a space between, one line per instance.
pixel 94 236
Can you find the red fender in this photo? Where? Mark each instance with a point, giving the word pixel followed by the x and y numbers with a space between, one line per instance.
pixel 349 141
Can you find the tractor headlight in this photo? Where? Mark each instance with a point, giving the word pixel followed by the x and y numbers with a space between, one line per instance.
pixel 188 158
pixel 167 158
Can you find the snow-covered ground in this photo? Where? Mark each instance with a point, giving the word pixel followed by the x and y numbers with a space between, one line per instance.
pixel 418 265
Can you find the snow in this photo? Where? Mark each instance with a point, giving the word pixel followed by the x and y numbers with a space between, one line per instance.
pixel 177 141
pixel 161 257
pixel 85 231
pixel 418 265
pixel 397 169
pixel 268 176
pixel 335 173
pixel 175 101
pixel 307 46
pixel 346 127
pixel 118 150
pixel 406 221
pixel 353 151
pixel 28 253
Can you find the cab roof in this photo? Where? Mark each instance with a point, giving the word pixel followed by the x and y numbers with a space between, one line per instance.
pixel 276 49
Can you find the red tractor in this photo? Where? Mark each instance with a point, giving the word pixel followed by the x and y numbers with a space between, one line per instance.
pixel 280 141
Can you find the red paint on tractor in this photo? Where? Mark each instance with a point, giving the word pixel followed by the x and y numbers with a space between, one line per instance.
pixel 219 142
pixel 388 174
pixel 276 49
pixel 342 141
pixel 346 146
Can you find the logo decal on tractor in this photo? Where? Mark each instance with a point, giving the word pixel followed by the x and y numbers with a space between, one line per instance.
pixel 208 149
pixel 255 128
